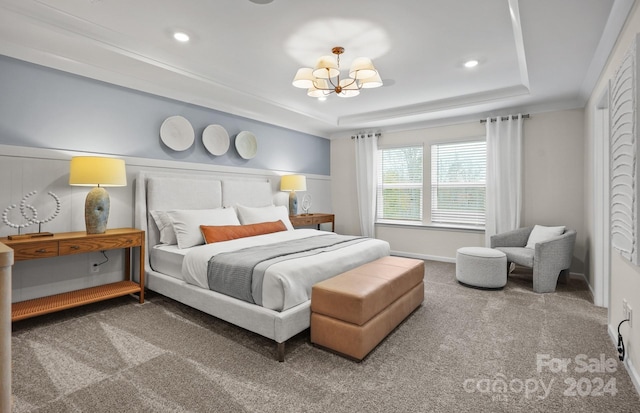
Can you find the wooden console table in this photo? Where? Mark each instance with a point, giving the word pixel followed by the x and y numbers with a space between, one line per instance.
pixel 317 218
pixel 70 243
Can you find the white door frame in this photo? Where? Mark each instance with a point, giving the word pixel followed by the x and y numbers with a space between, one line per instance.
pixel 601 217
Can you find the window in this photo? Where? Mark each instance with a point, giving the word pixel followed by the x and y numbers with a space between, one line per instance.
pixel 400 184
pixel 458 183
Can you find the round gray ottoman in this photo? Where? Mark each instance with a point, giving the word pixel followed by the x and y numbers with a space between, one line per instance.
pixel 481 267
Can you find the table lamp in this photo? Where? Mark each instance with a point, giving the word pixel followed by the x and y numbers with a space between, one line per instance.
pixel 98 172
pixel 293 183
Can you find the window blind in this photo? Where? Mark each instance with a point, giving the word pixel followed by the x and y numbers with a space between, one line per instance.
pixel 458 183
pixel 400 178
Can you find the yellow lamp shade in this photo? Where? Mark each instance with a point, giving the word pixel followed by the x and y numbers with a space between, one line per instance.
pixel 293 183
pixel 97 171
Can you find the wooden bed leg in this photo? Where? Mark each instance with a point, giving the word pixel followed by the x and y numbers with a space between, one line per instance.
pixel 280 352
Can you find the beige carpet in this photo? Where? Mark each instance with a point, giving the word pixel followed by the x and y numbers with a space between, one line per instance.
pixel 463 350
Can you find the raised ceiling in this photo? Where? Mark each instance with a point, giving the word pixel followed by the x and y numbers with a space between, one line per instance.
pixel 534 55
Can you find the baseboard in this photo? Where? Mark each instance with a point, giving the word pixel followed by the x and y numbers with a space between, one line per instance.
pixel 628 364
pixel 423 256
pixel 581 275
pixel 584 277
pixel 633 373
pixel 453 260
pixel 593 294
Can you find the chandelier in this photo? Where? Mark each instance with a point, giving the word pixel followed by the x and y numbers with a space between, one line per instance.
pixel 324 79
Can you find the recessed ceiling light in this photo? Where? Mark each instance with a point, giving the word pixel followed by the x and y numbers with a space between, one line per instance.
pixel 470 63
pixel 181 37
pixel 261 1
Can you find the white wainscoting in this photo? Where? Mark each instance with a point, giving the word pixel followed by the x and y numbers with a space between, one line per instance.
pixel 24 169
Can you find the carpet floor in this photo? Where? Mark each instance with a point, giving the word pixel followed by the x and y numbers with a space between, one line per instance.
pixel 463 350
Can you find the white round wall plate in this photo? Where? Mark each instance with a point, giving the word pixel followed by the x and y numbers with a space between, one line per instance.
pixel 177 133
pixel 246 145
pixel 215 139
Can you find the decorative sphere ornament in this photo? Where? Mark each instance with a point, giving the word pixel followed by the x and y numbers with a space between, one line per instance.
pixel 29 213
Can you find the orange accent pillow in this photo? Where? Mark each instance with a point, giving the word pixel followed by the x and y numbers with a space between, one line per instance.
pixel 216 233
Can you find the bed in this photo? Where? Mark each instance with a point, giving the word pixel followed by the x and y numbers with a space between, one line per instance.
pixel 177 272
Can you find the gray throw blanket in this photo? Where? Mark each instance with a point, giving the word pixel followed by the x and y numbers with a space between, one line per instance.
pixel 236 274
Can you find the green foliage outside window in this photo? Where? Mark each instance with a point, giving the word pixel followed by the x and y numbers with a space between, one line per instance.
pixel 400 183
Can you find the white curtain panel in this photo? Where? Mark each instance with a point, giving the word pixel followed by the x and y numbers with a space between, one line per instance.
pixel 366 180
pixel 504 175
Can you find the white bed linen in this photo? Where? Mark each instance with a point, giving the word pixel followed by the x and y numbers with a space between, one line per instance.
pixel 167 259
pixel 287 283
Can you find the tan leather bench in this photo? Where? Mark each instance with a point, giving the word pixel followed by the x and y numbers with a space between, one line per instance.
pixel 353 312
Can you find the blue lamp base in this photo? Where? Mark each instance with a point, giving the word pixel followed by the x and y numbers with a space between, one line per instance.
pixel 293 203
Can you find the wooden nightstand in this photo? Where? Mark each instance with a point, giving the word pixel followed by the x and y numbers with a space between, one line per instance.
pixel 69 243
pixel 305 220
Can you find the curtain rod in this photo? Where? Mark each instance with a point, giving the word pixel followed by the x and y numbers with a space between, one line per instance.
pixel 505 118
pixel 369 135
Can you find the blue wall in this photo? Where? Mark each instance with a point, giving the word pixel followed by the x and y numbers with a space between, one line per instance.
pixel 47 108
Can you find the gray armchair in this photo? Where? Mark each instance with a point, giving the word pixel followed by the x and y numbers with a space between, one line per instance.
pixel 549 259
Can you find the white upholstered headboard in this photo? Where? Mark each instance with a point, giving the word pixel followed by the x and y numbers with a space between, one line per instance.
pixel 165 191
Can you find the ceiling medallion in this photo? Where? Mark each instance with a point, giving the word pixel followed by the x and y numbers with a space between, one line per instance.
pixel 324 79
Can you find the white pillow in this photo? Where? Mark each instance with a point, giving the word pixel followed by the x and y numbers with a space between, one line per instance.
pixel 250 215
pixel 167 234
pixel 541 234
pixel 186 223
